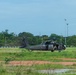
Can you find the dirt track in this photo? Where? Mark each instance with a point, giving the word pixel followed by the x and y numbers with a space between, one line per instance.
pixel 29 63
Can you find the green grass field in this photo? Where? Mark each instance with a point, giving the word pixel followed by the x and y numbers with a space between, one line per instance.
pixel 10 54
pixel 23 54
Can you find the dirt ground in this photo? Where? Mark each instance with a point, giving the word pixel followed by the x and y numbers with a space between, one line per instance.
pixel 32 62
pixel 29 63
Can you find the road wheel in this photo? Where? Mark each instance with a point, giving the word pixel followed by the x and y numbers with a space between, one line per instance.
pixel 52 50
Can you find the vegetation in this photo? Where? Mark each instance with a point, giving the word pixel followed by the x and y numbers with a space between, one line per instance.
pixel 10 54
pixel 11 39
pixel 23 54
pixel 34 70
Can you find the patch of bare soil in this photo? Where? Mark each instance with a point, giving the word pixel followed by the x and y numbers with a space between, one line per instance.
pixel 29 63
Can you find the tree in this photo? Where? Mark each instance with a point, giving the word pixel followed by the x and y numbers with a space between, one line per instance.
pixel 28 36
pixel 71 40
pixel 44 37
pixel 11 39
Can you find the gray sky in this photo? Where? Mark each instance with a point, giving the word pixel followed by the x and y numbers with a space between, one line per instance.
pixel 38 16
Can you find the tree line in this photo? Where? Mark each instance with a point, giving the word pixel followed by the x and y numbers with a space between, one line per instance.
pixel 12 39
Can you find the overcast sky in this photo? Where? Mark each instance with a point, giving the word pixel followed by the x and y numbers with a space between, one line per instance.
pixel 38 16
